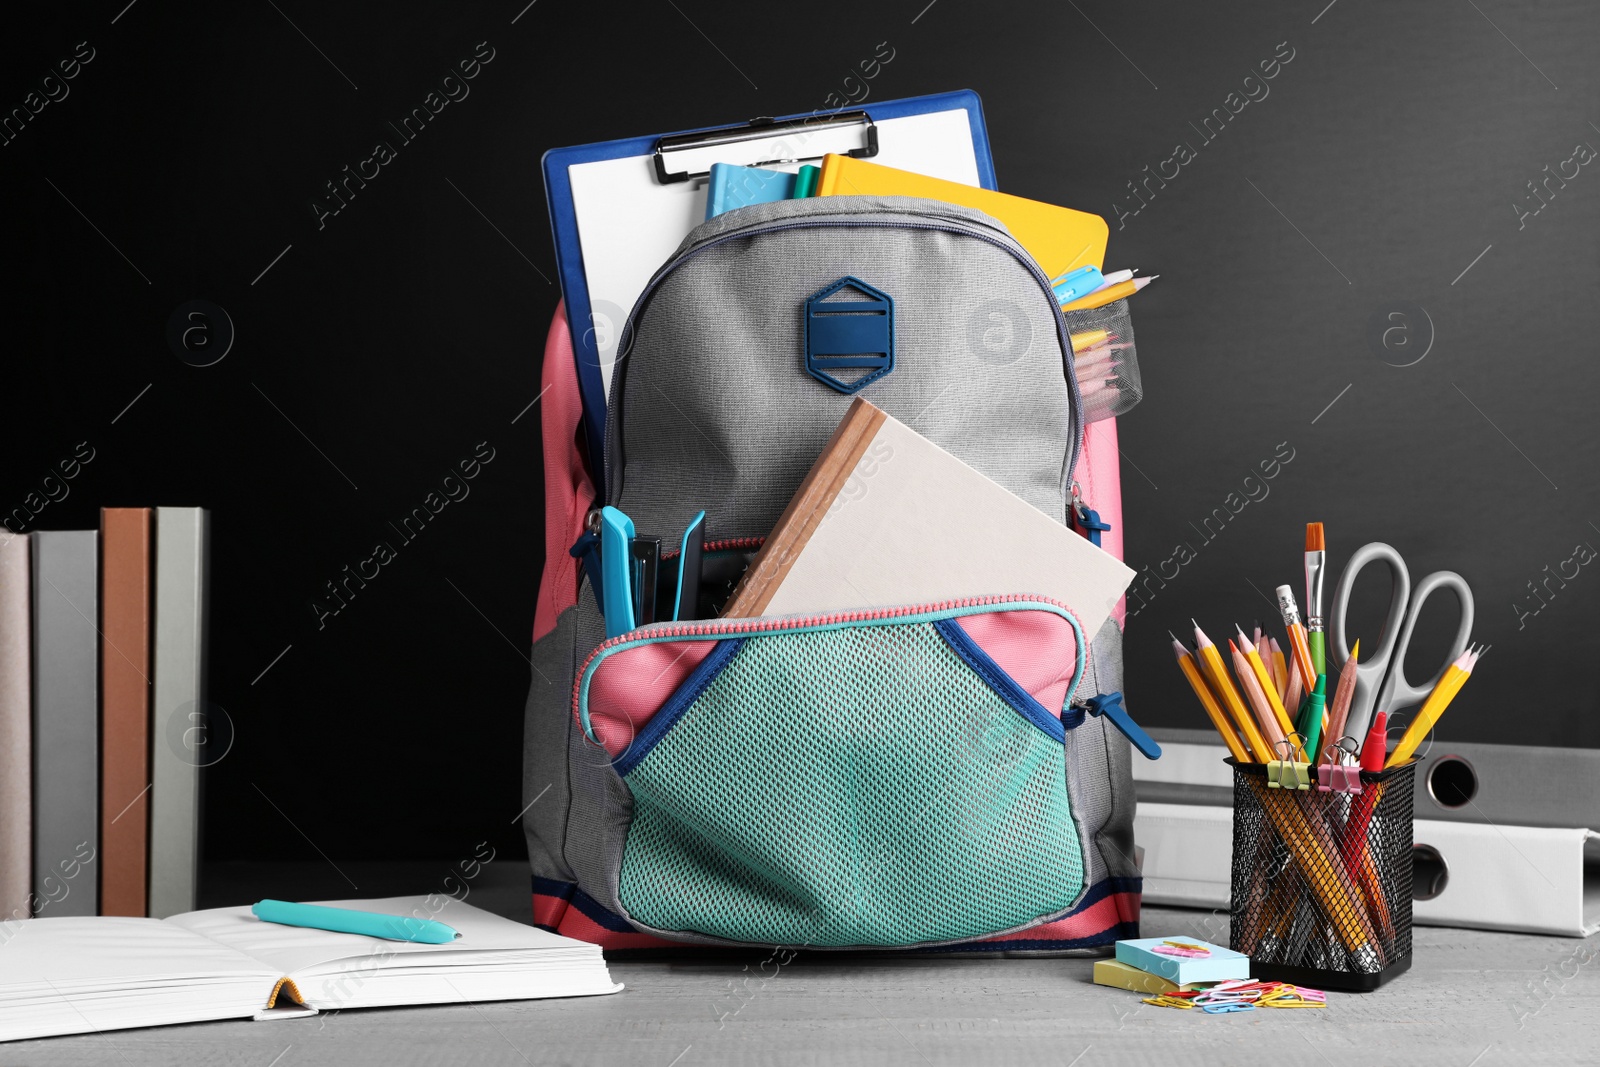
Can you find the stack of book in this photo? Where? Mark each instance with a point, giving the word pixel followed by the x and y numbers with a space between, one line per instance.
pixel 102 720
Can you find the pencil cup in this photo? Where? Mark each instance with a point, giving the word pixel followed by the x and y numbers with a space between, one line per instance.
pixel 1322 881
pixel 1103 354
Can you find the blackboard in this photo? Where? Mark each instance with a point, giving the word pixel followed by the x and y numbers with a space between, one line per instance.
pixel 389 329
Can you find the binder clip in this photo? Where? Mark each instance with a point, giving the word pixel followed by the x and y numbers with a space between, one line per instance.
pixel 1287 773
pixel 1336 776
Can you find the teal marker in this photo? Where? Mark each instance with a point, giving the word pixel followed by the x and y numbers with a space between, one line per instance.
pixel 349 921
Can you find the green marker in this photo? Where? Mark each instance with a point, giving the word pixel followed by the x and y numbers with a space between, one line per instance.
pixel 1311 716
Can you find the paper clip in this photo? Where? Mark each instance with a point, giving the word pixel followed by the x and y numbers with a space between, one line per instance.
pixel 1168 1002
pixel 1337 776
pixel 1226 1007
pixel 1286 773
pixel 1182 948
pixel 1289 996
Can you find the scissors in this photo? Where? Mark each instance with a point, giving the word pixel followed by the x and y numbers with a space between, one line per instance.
pixel 1381 683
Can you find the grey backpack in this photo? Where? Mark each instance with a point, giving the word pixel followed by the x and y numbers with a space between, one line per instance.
pixel 936 776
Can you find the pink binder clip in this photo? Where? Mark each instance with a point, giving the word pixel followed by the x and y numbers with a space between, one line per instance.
pixel 1336 776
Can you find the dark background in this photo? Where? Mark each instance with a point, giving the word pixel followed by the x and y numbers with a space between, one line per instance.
pixel 382 348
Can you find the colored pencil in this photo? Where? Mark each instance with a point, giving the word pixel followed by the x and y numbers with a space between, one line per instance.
pixel 1219 718
pixel 1279 714
pixel 1341 700
pixel 1257 699
pixel 1217 674
pixel 1454 677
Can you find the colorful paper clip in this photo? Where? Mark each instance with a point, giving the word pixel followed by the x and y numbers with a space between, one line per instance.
pixel 1168 1001
pixel 1336 776
pixel 1286 773
pixel 1241 994
pixel 1182 948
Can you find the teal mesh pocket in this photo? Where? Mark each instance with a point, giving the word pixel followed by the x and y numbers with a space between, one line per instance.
pixel 850 786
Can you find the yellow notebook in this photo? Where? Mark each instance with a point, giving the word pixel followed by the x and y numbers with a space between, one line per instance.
pixel 1126 976
pixel 1059 238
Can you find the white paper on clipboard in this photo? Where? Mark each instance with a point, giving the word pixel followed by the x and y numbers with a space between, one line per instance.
pixel 629 223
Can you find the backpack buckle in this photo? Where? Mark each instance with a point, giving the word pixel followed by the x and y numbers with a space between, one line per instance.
pixel 849 335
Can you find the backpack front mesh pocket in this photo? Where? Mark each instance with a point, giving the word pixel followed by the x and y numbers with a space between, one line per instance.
pixel 849 785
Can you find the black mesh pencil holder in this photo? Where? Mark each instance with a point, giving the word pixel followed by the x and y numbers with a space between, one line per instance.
pixel 1321 892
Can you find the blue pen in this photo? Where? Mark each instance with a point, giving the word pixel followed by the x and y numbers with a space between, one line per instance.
pixel 348 921
pixel 1077 283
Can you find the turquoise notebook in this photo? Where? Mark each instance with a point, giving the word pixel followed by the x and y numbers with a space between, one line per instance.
pixel 1222 965
pixel 733 186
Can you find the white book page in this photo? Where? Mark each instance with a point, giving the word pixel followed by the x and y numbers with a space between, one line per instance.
pixel 77 975
pixel 487 943
pixel 300 951
pixel 629 223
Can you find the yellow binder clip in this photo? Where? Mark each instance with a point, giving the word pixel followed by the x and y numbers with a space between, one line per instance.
pixel 1287 773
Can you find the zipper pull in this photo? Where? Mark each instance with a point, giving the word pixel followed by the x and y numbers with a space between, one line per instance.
pixel 1110 705
pixel 1085 519
pixel 586 550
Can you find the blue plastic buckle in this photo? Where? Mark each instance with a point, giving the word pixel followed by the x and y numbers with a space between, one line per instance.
pixel 849 335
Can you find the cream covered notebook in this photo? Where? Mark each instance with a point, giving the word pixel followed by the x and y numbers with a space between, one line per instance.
pixel 887 518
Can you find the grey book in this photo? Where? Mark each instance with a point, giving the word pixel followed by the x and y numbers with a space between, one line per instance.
pixel 178 720
pixel 16 728
pixel 66 723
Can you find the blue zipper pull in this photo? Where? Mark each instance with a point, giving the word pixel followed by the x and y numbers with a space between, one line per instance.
pixel 586 550
pixel 1110 705
pixel 1087 520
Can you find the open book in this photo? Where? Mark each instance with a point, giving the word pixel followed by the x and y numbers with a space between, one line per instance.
pixel 78 975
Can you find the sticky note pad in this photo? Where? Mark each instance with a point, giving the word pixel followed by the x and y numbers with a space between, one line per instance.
pixel 1121 975
pixel 1221 965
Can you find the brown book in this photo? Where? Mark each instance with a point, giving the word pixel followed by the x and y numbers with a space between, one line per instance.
pixel 806 510
pixel 124 709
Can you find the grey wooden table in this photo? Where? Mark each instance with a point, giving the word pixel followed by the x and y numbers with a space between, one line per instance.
pixel 1471 999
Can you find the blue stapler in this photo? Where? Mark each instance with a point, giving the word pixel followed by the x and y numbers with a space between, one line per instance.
pixel 616 536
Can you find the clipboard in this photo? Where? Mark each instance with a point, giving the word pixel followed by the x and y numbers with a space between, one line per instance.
pixel 659 181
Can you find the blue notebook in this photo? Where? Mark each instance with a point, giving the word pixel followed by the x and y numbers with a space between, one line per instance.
pixel 1222 965
pixel 734 186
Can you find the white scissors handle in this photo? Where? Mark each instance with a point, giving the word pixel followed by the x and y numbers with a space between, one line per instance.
pixel 1397 691
pixel 1381 683
pixel 1372 671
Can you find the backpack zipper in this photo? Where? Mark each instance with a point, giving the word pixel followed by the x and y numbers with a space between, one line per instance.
pixel 619 369
pixel 661 631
